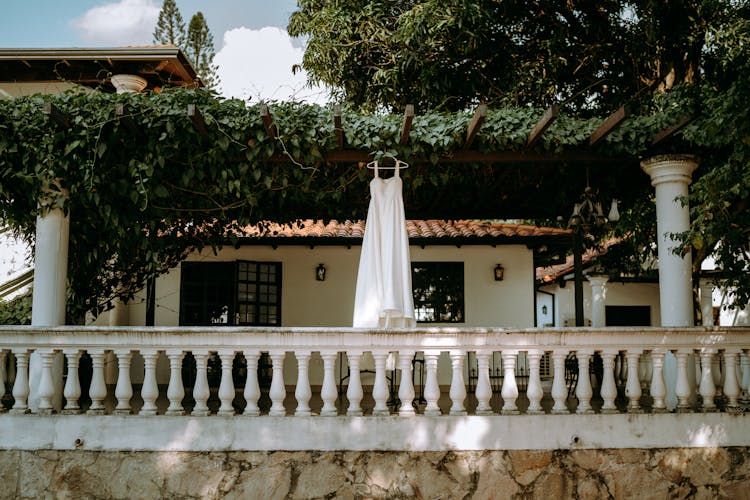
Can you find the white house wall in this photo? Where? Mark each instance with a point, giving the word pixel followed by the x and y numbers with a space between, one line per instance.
pixel 617 294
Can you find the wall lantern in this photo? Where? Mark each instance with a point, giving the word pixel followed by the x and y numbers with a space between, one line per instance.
pixel 544 310
pixel 499 272
pixel 320 272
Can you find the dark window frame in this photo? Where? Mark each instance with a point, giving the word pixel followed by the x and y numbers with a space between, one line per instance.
pixel 202 281
pixel 448 299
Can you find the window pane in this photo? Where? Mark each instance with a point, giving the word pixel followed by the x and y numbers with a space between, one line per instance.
pixel 438 289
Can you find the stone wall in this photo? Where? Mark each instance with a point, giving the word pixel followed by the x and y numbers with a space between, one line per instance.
pixel 620 473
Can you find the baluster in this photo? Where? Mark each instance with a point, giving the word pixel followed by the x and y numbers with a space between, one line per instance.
pixel 380 389
pixel 707 386
pixel 731 386
pixel 328 392
pixel 559 391
pixel 354 391
pixel 303 393
pixel 72 390
pixel 509 391
pixel 149 390
pixel 46 386
pixel 98 388
pixel 252 388
pixel 682 387
pixel 201 391
pixel 745 380
pixel 534 389
pixel 583 389
pixel 658 389
pixel 406 387
pixel 431 387
pixel 633 384
pixel 226 386
pixel 2 379
pixel 277 393
pixel 458 388
pixel 645 370
pixel 21 385
pixel 483 391
pixel 175 390
pixel 608 389
pixel 123 389
pixel 718 376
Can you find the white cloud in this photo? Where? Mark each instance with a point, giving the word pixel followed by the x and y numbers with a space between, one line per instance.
pixel 257 65
pixel 127 22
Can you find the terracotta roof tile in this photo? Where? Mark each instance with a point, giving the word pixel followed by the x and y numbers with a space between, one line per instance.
pixel 551 273
pixel 414 228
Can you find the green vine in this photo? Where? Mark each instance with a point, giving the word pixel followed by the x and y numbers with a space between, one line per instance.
pixel 147 187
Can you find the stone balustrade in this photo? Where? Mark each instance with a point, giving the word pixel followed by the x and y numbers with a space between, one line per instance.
pixel 712 370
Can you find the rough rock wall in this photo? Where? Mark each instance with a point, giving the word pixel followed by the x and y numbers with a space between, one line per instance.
pixel 627 473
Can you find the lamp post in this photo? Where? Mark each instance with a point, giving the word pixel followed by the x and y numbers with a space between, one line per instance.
pixel 587 214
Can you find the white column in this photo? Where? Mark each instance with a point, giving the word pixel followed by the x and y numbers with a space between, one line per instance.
pixel 598 300
pixel 671 176
pixel 707 306
pixel 49 289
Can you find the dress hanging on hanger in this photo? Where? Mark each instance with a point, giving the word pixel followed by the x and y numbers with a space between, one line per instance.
pixel 383 297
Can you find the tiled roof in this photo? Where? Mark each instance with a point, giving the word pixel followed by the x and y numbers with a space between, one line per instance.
pixel 415 229
pixel 551 273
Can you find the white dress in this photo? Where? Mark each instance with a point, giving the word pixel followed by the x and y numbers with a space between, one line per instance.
pixel 383 296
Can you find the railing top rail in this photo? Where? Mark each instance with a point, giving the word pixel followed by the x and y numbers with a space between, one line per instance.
pixel 341 339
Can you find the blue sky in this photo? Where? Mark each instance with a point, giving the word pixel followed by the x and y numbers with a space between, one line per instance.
pixel 51 23
pixel 248 35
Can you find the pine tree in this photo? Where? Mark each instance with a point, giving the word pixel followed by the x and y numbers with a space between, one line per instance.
pixel 199 48
pixel 170 28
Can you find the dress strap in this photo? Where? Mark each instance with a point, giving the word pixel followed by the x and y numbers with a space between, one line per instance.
pixel 396 170
pixel 377 171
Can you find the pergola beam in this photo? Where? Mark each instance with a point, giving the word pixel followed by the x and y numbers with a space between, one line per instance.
pixel 476 123
pixel 337 126
pixel 541 126
pixel 197 118
pixel 610 125
pixel 268 123
pixel 474 156
pixel 56 115
pixel 406 125
pixel 672 129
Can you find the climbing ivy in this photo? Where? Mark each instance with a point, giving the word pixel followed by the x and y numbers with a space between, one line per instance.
pixel 145 187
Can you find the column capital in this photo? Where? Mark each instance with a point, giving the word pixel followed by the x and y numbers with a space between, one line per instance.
pixel 670 168
pixel 597 279
pixel 128 84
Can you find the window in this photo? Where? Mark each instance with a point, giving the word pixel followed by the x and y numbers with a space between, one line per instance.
pixel 438 289
pixel 230 293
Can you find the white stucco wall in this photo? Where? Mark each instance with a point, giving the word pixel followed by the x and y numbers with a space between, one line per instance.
pixel 307 302
pixel 616 294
